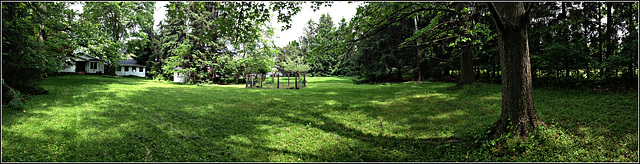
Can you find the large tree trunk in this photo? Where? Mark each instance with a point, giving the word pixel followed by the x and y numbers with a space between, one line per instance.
pixel 419 63
pixel 609 39
pixel 466 67
pixel 518 109
pixel 466 59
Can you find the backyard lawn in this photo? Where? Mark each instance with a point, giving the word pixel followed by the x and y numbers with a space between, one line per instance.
pixel 102 118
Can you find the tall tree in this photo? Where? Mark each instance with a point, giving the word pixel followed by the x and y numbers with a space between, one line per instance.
pixel 518 110
pixel 115 22
pixel 466 58
pixel 176 43
pixel 35 38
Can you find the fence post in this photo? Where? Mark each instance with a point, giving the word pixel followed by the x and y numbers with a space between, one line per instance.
pixel 278 76
pixel 260 79
pixel 296 80
pixel 288 83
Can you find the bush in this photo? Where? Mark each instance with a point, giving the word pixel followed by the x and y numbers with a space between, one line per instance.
pixel 16 104
pixel 14 97
pixel 231 80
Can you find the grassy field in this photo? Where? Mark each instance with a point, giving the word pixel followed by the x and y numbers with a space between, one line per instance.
pixel 99 118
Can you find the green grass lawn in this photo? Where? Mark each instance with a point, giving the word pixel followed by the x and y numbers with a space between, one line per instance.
pixel 97 118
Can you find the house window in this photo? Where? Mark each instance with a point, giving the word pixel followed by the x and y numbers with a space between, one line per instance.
pixel 139 69
pixel 133 69
pixel 126 69
pixel 94 65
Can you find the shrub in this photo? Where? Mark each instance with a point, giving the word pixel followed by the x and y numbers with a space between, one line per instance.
pixel 16 104
pixel 14 97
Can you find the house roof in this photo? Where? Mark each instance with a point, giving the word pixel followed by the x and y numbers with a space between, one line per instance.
pixel 87 58
pixel 130 62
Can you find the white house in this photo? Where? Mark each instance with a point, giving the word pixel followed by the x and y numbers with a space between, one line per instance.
pixel 131 67
pixel 84 64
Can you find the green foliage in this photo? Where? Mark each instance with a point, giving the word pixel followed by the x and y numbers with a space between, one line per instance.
pixel 105 27
pixel 574 50
pixel 292 59
pixel 13 97
pixel 35 39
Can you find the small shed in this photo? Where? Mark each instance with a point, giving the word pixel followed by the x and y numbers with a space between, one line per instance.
pixel 179 77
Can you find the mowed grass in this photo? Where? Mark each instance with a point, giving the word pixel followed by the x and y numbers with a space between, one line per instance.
pixel 97 118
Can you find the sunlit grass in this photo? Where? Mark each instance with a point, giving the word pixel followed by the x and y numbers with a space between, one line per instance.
pixel 96 118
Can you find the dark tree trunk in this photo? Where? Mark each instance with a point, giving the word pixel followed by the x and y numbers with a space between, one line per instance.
pixel 608 39
pixel 466 67
pixel 466 59
pixel 518 109
pixel 446 71
pixel 534 74
pixel 419 63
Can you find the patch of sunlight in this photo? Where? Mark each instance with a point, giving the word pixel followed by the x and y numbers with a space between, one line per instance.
pixel 449 114
pixel 264 127
pixel 331 102
pixel 446 134
pixel 492 97
pixel 446 97
pixel 228 86
pixel 380 103
pixel 331 93
pixel 238 139
pixel 583 129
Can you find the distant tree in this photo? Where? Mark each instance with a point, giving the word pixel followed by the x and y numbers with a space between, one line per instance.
pixel 292 59
pixel 115 22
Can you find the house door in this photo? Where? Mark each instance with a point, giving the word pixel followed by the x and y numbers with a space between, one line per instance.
pixel 81 66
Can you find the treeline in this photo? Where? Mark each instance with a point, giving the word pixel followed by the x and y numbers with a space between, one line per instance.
pixel 209 41
pixel 40 38
pixel 203 40
pixel 571 44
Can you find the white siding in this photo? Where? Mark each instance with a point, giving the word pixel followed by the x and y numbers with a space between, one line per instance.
pixel 100 67
pixel 179 78
pixel 133 71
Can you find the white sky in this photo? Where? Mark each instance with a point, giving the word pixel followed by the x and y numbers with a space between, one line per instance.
pixel 338 10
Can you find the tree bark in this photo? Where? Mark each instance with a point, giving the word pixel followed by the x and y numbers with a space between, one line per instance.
pixel 466 59
pixel 608 39
pixel 466 67
pixel 419 63
pixel 518 109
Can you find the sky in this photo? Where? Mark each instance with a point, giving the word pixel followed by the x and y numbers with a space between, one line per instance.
pixel 338 10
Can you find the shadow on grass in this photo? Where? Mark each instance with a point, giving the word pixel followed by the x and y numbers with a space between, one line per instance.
pixel 324 122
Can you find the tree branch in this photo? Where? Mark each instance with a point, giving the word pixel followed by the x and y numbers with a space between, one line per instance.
pixel 496 16
pixel 429 42
pixel 398 19
pixel 528 10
